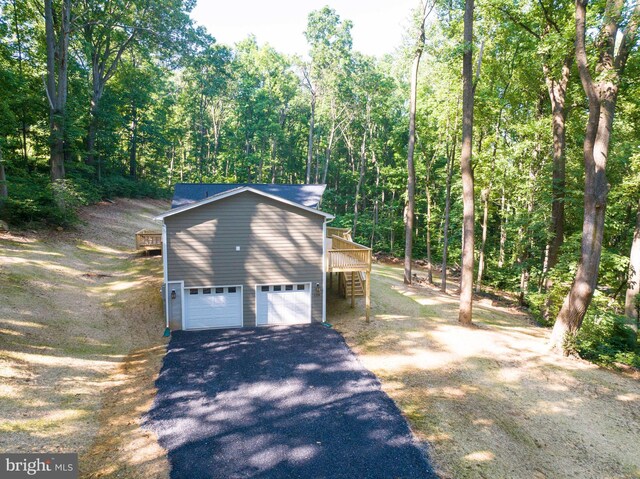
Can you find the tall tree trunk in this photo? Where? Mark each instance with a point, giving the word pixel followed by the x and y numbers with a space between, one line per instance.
pixel 445 229
pixel 557 94
pixel 428 226
pixel 466 279
pixel 173 156
pixel 503 228
pixel 363 148
pixel 96 96
pixel 376 203
pixel 57 81
pixel 133 151
pixel 602 96
pixel 633 289
pixel 451 156
pixel 485 219
pixel 327 152
pixel 23 121
pixel 3 180
pixel 409 210
pixel 312 120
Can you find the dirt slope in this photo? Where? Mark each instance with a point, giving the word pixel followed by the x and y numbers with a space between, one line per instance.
pixel 490 400
pixel 80 343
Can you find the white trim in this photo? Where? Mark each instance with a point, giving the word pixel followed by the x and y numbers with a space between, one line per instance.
pixel 310 283
pixel 184 319
pixel 324 271
pixel 181 287
pixel 234 192
pixel 165 273
pixel 183 307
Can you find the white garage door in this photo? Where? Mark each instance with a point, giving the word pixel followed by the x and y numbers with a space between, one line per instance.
pixel 283 304
pixel 213 307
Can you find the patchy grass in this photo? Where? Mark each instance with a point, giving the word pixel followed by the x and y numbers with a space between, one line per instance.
pixel 81 322
pixel 489 400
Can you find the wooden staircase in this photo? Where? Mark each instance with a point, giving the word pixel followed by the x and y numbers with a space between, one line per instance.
pixel 352 262
pixel 358 287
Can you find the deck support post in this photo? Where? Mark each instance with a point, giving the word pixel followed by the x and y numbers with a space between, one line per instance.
pixel 353 289
pixel 331 281
pixel 367 296
pixel 340 284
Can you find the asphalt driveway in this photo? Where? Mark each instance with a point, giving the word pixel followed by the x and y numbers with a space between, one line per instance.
pixel 278 402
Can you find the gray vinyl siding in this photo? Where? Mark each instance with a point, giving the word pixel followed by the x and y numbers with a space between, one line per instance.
pixel 279 244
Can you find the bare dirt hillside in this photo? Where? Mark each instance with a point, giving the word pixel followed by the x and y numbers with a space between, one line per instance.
pixel 490 400
pixel 81 341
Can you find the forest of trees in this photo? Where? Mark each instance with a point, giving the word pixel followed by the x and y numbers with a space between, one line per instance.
pixel 100 99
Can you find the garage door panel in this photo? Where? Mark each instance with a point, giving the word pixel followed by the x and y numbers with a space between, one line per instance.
pixel 275 304
pixel 213 308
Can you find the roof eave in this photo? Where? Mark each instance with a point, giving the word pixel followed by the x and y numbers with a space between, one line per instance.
pixel 234 192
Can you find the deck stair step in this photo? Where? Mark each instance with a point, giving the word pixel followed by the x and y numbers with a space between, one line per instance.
pixel 358 286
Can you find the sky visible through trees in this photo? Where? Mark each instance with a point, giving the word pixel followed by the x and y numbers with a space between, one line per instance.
pixel 104 98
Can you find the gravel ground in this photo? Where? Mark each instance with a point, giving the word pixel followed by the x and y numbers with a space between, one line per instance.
pixel 279 402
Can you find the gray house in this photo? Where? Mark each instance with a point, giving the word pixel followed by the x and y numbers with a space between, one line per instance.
pixel 244 255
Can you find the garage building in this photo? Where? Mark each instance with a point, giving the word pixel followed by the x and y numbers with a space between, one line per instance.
pixel 244 255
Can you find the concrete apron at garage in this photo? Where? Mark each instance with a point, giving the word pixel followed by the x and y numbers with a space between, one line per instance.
pixel 277 402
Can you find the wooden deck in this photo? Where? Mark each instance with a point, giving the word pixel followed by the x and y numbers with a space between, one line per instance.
pixel 350 261
pixel 149 240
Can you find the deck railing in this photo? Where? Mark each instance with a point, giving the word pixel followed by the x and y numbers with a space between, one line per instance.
pixel 344 233
pixel 346 255
pixel 148 240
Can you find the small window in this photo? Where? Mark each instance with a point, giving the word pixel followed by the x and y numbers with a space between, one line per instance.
pixel 289 287
pixel 300 287
pixel 193 291
pixel 206 291
pixel 277 288
pixel 232 289
pixel 219 290
pixel 264 288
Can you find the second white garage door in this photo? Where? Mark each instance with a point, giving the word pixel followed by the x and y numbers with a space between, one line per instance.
pixel 283 304
pixel 214 307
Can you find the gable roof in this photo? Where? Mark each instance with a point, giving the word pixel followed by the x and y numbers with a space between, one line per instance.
pixel 238 190
pixel 306 195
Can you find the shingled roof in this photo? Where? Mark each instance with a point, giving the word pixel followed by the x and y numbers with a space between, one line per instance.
pixel 305 195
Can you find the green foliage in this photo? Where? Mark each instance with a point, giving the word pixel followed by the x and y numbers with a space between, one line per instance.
pixel 32 202
pixel 119 186
pixel 605 338
pixel 179 107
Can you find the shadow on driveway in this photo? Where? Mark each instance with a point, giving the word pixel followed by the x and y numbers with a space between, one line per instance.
pixel 277 402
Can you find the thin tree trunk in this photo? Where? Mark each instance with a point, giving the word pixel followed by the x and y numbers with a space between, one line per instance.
pixel 633 289
pixel 602 96
pixel 466 279
pixel 56 84
pixel 376 203
pixel 503 228
pixel 451 155
pixel 133 159
pixel 428 227
pixel 4 193
pixel 23 121
pixel 485 219
pixel 173 155
pixel 557 94
pixel 310 143
pixel 445 229
pixel 328 154
pixel 359 184
pixel 411 169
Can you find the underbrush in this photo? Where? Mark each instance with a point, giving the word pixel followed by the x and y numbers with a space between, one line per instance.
pixel 35 201
pixel 606 339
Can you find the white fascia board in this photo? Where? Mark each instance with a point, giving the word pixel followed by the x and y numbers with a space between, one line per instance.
pixel 234 192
